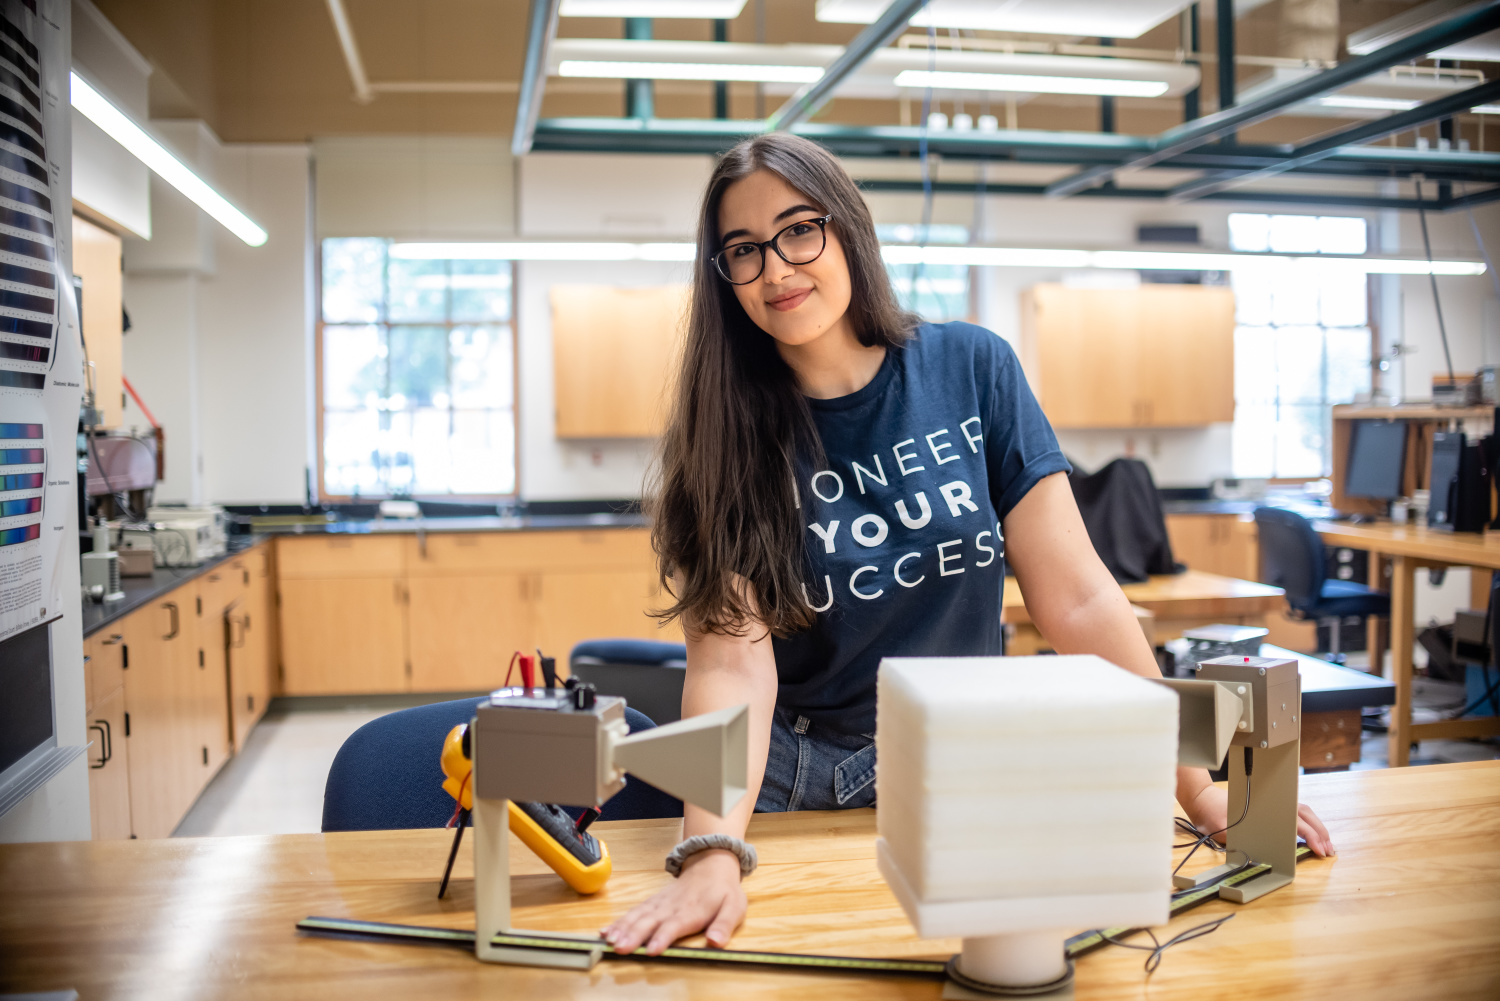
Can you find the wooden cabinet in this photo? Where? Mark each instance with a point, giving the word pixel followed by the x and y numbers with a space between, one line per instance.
pixel 343 635
pixel 109 770
pixel 252 662
pixel 1224 544
pixel 161 696
pixel 342 614
pixel 464 629
pixel 613 352
pixel 1153 356
pixel 576 606
pixel 96 260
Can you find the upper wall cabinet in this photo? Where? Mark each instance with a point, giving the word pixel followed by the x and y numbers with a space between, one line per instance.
pixel 613 352
pixel 1153 356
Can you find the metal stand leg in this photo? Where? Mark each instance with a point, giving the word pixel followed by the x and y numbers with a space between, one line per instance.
pixel 1269 831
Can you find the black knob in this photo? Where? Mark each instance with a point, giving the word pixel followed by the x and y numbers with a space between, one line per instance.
pixel 583 696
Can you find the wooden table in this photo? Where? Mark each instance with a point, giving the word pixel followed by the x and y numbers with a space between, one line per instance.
pixel 1411 908
pixel 1176 602
pixel 1409 547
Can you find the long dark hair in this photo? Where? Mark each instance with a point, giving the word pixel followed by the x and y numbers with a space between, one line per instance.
pixel 724 509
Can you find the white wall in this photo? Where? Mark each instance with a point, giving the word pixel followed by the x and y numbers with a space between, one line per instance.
pixel 221 335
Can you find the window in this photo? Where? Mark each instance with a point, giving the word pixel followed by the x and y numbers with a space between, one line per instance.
pixel 418 374
pixel 936 292
pixel 1301 343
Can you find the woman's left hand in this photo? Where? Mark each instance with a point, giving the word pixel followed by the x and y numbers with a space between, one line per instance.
pixel 1209 812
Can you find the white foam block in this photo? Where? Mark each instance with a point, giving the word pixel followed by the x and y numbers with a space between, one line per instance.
pixel 1012 780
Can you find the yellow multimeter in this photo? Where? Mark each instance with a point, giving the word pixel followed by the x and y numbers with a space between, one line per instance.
pixel 581 859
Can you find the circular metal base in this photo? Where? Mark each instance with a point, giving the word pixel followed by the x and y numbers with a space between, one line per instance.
pixel 1001 990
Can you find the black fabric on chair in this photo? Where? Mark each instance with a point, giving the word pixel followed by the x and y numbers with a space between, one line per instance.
pixel 648 674
pixel 1291 553
pixel 386 776
pixel 1122 512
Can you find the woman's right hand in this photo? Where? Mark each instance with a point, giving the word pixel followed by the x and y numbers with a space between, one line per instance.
pixel 707 896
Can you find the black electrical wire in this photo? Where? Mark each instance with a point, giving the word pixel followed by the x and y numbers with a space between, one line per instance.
pixel 1432 278
pixel 1157 947
pixel 1203 838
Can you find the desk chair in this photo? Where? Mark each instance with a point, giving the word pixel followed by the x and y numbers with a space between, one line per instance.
pixel 647 673
pixel 386 776
pixel 1292 558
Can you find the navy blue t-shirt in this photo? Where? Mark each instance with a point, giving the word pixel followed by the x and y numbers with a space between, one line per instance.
pixel 904 549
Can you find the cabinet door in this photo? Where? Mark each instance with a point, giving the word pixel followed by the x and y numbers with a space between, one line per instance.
pixel 107 655
pixel 250 660
pixel 1186 337
pixel 159 696
pixel 1192 538
pixel 210 706
pixel 571 607
pixel 464 630
pixel 109 769
pixel 1087 356
pixel 343 636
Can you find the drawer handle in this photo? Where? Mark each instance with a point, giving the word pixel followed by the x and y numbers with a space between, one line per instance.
pixel 106 743
pixel 171 606
pixel 113 639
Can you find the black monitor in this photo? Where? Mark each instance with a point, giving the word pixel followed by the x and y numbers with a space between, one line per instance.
pixel 1377 460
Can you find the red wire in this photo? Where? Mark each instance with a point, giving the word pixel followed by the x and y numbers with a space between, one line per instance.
pixel 138 402
pixel 511 668
pixel 458 807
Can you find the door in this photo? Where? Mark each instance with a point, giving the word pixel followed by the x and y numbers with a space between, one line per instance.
pixel 1088 357
pixel 464 630
pixel 343 635
pixel 576 606
pixel 109 769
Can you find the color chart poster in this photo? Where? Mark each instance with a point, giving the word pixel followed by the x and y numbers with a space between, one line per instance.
pixel 41 355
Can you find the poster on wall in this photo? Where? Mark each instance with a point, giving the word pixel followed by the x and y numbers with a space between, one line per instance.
pixel 41 356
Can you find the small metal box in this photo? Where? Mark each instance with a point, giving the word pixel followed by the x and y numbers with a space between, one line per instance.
pixel 532 745
pixel 1274 688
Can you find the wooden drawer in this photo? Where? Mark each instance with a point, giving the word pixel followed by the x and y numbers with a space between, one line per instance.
pixel 223 586
pixel 326 556
pixel 523 552
pixel 104 670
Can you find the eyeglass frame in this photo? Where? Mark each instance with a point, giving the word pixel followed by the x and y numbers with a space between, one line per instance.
pixel 822 222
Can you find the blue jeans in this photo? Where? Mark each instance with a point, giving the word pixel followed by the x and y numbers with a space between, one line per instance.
pixel 811 767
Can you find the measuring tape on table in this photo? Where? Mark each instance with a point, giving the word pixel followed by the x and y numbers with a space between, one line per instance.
pixel 930 969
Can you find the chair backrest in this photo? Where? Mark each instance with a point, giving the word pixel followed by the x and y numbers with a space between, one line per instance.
pixel 1291 554
pixel 648 674
pixel 386 776
pixel 1122 513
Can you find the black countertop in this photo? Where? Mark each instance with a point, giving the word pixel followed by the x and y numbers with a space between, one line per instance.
pixel 141 591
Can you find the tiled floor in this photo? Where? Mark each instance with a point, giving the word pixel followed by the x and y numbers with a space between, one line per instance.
pixel 275 786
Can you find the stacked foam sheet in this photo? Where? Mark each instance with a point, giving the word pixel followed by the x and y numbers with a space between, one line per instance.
pixel 1024 792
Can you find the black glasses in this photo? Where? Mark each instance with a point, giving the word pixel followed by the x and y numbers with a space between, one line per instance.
pixel 799 243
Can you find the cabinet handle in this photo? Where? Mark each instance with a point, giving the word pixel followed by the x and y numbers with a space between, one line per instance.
pixel 236 644
pixel 127 724
pixel 171 606
pixel 247 577
pixel 103 754
pixel 113 639
pixel 124 656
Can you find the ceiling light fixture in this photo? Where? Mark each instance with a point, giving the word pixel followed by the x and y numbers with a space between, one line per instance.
pixel 994 257
pixel 745 72
pixel 1107 18
pixel 1367 103
pixel 96 108
pixel 1025 83
pixel 1486 109
pixel 726 10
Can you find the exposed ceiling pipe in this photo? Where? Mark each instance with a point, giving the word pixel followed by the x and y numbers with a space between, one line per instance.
pixel 541 29
pixel 1322 148
pixel 362 91
pixel 1191 135
pixel 1023 146
pixel 806 102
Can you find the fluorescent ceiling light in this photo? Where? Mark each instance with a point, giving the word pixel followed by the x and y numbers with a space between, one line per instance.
pixel 1093 18
pixel 748 72
pixel 97 109
pixel 1367 103
pixel 1031 83
pixel 1486 109
pixel 906 253
pixel 726 10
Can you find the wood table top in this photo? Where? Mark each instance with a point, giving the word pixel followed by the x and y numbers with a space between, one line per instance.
pixel 1190 594
pixel 1411 908
pixel 1470 549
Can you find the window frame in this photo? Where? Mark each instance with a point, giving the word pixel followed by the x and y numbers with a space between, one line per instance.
pixel 323 495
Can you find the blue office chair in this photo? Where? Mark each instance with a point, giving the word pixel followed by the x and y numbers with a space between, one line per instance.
pixel 1292 559
pixel 648 674
pixel 387 777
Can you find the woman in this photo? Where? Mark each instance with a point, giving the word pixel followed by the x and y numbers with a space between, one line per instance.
pixel 840 483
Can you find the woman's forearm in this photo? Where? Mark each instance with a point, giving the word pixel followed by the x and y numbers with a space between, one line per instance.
pixel 724 672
